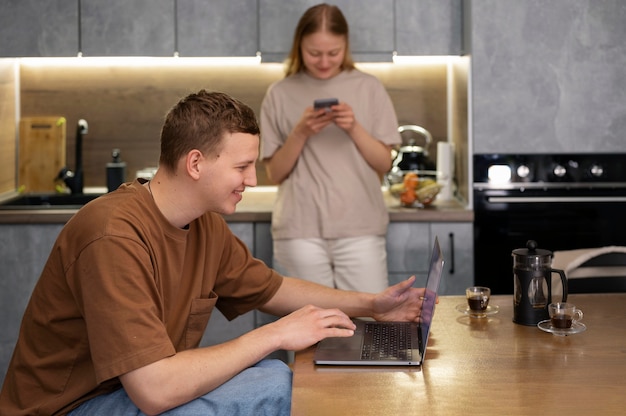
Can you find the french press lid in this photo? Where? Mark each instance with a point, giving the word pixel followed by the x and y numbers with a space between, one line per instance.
pixel 531 256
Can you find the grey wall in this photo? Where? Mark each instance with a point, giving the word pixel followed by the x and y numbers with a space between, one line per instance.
pixel 548 76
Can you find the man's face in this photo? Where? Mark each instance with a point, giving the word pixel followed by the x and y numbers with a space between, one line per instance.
pixel 227 175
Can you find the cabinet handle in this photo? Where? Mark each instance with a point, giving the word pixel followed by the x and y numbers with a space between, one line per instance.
pixel 451 236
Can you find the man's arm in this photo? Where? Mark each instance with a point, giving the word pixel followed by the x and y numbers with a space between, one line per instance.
pixel 313 312
pixel 295 293
pixel 400 302
pixel 178 379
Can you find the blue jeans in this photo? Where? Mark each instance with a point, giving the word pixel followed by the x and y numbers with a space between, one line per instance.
pixel 264 389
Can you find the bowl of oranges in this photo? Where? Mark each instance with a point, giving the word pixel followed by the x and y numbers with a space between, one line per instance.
pixel 413 190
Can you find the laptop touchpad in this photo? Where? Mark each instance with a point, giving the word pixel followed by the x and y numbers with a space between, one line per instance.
pixel 341 343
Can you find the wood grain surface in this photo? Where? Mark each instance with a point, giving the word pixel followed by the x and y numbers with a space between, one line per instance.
pixel 41 152
pixel 488 366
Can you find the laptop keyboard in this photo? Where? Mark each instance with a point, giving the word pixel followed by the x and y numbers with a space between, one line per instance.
pixel 387 341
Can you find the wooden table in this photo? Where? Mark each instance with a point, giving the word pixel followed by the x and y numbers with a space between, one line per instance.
pixel 487 366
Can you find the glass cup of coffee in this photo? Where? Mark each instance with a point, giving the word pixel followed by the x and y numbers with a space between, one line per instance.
pixel 478 298
pixel 563 315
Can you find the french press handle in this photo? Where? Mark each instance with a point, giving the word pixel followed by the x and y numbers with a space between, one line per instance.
pixel 563 282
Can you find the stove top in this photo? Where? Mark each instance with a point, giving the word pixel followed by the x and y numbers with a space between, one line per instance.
pixel 530 170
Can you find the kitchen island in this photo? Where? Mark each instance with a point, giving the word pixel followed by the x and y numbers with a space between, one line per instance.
pixel 486 366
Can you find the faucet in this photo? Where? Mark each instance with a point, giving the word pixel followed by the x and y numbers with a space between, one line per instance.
pixel 74 180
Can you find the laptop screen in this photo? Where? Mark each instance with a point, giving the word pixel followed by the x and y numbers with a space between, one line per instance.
pixel 432 286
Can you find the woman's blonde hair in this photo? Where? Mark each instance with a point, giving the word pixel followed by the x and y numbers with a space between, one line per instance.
pixel 316 19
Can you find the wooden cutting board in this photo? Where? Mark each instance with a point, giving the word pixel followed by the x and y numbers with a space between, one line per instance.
pixel 41 152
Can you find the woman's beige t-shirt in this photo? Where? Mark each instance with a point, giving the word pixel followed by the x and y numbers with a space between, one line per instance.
pixel 332 192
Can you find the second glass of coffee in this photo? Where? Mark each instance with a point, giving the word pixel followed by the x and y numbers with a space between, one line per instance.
pixel 478 297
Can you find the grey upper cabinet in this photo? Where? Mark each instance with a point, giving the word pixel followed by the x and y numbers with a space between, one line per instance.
pixel 217 28
pixel 371 27
pixel 429 27
pixel 221 27
pixel 548 77
pixel 34 28
pixel 127 28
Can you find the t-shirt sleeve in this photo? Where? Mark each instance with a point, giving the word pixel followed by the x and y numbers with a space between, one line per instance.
pixel 386 125
pixel 271 137
pixel 244 283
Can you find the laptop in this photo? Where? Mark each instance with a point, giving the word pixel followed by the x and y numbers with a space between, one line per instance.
pixel 403 343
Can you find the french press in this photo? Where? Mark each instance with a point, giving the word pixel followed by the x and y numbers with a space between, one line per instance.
pixel 532 283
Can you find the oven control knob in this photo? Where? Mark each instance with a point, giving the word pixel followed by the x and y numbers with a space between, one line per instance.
pixel 523 171
pixel 596 171
pixel 559 171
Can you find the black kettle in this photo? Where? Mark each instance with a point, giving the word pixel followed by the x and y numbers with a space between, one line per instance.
pixel 532 284
pixel 411 157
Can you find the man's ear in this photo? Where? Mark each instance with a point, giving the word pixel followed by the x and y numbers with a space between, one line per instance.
pixel 194 158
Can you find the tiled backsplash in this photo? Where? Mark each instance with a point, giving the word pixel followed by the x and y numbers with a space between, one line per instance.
pixel 124 104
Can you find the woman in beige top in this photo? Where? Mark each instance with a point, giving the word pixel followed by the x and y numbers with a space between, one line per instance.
pixel 330 220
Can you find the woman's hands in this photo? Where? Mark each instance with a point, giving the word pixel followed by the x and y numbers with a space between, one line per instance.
pixel 376 153
pixel 313 121
pixel 344 117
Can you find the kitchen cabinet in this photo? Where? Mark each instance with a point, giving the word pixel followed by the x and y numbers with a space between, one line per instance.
pixel 34 28
pixel 127 28
pixel 263 245
pixel 377 27
pixel 548 77
pixel 409 246
pixel 371 27
pixel 221 27
pixel 217 28
pixel 429 27
pixel 457 244
pixel 408 251
pixel 24 249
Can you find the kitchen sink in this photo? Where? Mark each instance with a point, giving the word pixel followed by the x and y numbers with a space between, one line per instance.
pixel 47 201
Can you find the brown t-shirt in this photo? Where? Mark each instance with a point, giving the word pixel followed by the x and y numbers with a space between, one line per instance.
pixel 123 288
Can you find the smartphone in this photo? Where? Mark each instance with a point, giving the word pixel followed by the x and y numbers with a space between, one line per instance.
pixel 325 103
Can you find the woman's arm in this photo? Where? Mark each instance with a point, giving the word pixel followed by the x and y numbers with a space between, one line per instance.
pixel 280 165
pixel 376 153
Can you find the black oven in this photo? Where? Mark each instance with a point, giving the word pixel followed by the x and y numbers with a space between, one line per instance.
pixel 562 201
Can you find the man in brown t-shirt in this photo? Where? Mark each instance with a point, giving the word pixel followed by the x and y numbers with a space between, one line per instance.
pixel 114 323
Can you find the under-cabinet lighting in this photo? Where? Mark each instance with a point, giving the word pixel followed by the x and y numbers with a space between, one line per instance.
pixel 410 59
pixel 141 61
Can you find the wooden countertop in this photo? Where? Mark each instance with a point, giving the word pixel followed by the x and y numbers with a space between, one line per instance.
pixel 257 204
pixel 488 366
